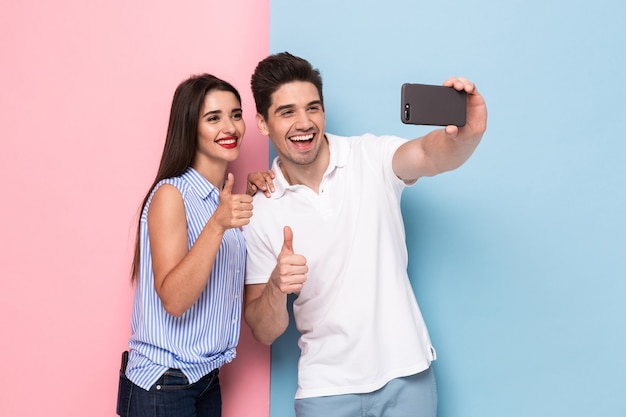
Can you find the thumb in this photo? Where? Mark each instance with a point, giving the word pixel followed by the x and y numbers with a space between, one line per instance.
pixel 228 185
pixel 288 240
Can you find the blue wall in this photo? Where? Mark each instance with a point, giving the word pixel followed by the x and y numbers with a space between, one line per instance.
pixel 518 257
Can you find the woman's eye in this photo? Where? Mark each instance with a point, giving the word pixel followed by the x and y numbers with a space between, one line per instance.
pixel 237 116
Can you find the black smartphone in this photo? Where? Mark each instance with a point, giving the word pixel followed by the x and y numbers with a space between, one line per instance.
pixel 434 105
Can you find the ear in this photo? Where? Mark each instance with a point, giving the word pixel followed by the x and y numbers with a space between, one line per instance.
pixel 262 125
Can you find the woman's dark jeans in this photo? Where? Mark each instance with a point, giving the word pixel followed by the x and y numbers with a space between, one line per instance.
pixel 171 396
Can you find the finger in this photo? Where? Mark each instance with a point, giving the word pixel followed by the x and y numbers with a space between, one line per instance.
pixel 251 189
pixel 269 180
pixel 245 200
pixel 292 288
pixel 452 130
pixel 460 84
pixel 228 186
pixel 288 240
pixel 465 84
pixel 257 179
pixel 261 184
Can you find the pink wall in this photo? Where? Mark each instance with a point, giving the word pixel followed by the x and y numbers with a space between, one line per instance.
pixel 85 89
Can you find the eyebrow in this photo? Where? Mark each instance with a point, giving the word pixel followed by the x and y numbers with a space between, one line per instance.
pixel 290 106
pixel 236 109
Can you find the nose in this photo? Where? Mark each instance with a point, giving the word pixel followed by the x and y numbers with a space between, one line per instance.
pixel 303 121
pixel 229 126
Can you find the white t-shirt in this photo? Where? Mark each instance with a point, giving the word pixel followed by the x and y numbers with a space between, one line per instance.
pixel 359 321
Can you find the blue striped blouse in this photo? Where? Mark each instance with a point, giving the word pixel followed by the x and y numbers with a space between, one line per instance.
pixel 205 336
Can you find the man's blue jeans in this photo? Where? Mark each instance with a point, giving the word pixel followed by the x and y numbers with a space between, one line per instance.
pixel 171 396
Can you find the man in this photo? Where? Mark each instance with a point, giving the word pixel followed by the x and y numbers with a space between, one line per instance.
pixel 332 233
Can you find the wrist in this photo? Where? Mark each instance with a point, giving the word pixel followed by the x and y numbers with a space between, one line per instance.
pixel 214 227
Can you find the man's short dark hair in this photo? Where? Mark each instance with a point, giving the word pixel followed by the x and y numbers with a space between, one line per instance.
pixel 276 70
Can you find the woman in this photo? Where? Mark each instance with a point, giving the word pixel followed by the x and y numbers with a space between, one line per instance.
pixel 189 260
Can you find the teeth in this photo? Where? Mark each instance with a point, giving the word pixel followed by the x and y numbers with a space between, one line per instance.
pixel 226 142
pixel 301 138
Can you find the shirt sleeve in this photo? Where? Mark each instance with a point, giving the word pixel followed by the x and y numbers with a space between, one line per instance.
pixel 261 256
pixel 383 148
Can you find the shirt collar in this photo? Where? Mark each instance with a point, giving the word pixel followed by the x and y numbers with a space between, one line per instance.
pixel 338 150
pixel 202 186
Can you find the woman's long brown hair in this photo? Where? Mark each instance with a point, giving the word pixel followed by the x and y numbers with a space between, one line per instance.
pixel 181 140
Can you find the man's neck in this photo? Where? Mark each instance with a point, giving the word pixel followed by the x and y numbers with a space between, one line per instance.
pixel 308 175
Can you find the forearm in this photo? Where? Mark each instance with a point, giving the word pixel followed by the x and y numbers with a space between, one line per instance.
pixel 183 285
pixel 432 154
pixel 266 314
pixel 443 153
